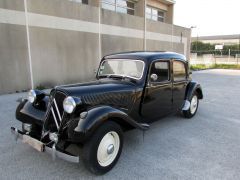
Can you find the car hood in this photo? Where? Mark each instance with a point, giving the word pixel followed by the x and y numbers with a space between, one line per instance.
pixel 103 92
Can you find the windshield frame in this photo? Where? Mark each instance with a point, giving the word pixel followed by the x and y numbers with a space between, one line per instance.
pixel 136 60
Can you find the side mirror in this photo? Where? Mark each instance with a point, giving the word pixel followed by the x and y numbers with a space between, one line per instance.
pixel 154 77
pixel 190 72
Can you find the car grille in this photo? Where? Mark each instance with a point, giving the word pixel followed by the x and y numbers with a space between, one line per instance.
pixel 55 111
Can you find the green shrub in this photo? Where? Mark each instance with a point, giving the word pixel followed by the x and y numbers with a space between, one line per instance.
pixel 40 87
pixel 215 66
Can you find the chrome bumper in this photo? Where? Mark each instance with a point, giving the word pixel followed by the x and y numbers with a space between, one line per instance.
pixel 41 147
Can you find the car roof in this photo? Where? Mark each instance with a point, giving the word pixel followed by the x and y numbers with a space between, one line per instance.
pixel 148 56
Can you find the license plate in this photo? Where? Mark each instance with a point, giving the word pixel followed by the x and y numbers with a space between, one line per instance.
pixel 38 145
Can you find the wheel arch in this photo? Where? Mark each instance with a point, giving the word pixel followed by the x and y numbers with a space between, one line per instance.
pixel 97 116
pixel 199 93
pixel 193 87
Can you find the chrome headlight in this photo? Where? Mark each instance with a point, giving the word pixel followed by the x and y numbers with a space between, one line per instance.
pixel 32 96
pixel 69 104
pixel 35 95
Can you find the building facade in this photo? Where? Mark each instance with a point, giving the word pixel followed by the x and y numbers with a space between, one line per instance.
pixel 52 42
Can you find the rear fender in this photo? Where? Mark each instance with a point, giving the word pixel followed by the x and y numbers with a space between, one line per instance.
pixel 192 87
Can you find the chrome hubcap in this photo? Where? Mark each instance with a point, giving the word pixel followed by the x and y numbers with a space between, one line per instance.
pixel 108 148
pixel 194 103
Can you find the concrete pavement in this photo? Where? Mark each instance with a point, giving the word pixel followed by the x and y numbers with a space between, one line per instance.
pixel 204 147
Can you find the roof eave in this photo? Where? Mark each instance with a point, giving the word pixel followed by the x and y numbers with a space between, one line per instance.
pixel 168 1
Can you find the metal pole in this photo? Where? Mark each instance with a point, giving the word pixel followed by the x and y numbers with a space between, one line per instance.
pixel 99 31
pixel 28 44
pixel 197 45
pixel 229 54
pixel 145 26
pixel 192 27
pixel 238 48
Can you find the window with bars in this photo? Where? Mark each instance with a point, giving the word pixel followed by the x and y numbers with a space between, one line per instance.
pixel 155 14
pixel 122 6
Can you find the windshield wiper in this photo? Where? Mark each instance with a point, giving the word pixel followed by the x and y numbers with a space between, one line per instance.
pixel 122 77
pixel 116 76
pixel 112 76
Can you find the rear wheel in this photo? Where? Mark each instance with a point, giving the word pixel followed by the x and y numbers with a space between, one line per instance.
pixel 193 107
pixel 103 149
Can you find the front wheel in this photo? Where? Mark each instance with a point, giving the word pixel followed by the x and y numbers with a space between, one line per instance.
pixel 103 149
pixel 193 107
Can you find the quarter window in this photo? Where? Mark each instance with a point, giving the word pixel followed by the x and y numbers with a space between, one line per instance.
pixel 122 6
pixel 161 69
pixel 179 71
pixel 155 14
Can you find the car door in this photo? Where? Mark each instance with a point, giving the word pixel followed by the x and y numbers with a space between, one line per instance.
pixel 180 82
pixel 157 100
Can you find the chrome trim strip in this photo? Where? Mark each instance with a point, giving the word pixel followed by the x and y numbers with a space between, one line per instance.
pixel 14 131
pixel 54 117
pixel 61 155
pixel 57 110
pixel 53 152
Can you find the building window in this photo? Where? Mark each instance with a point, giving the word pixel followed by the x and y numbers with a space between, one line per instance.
pixel 122 6
pixel 155 14
pixel 80 1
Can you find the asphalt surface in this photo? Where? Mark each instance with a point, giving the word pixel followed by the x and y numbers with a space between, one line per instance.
pixel 204 147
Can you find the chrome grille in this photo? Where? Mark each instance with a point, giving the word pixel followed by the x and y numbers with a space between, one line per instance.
pixel 55 110
pixel 58 118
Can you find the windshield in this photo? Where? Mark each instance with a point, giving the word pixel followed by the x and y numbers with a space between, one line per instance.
pixel 122 67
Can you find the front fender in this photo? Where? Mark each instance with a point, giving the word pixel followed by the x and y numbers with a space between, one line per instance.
pixel 26 112
pixel 98 115
pixel 191 88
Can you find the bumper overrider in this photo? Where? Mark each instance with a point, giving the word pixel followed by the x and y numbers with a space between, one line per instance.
pixel 41 147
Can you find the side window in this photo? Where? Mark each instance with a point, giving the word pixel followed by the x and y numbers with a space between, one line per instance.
pixel 179 71
pixel 159 71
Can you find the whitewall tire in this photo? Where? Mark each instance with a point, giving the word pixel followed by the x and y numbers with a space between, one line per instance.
pixel 193 106
pixel 103 149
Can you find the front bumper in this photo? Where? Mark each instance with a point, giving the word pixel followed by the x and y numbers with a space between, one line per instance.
pixel 41 147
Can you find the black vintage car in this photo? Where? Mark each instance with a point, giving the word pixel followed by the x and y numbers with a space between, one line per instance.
pixel 131 90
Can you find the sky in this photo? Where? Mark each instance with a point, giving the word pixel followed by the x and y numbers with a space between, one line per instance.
pixel 211 17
